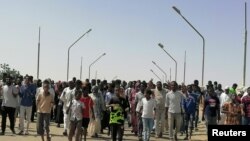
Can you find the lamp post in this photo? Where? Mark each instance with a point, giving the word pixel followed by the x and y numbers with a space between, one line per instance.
pixel 71 47
pixel 165 74
pixel 155 74
pixel 203 39
pixel 81 70
pixel 161 46
pixel 170 74
pixel 38 56
pixel 245 47
pixel 184 77
pixel 95 62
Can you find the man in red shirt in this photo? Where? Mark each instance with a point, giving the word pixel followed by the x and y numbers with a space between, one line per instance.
pixel 88 102
pixel 246 108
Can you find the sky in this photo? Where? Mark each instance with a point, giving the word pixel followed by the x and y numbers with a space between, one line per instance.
pixel 128 31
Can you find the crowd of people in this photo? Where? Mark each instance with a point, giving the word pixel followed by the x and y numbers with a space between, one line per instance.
pixel 86 108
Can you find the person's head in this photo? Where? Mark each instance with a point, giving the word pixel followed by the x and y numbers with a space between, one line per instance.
pixel 227 90
pixel 184 89
pixel 233 98
pixel 46 86
pixel 74 79
pixel 78 94
pixel 174 86
pixel 209 83
pixel 27 80
pixel 196 82
pixel 215 83
pixel 189 88
pixel 95 89
pixel 71 85
pixel 110 87
pixel 234 86
pixel 39 83
pixel 195 88
pixel 143 87
pixel 159 85
pixel 148 93
pixel 137 86
pixel 219 86
pixel 248 90
pixel 122 92
pixel 210 90
pixel 93 82
pixel 85 91
pixel 78 84
pixel 117 90
pixel 8 80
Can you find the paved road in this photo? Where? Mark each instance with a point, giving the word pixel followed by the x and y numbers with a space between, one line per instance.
pixel 57 135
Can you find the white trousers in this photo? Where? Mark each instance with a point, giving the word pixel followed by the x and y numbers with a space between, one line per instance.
pixel 159 121
pixel 65 121
pixel 25 115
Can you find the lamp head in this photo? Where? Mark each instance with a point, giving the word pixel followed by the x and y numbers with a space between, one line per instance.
pixel 160 45
pixel 176 10
pixel 103 54
pixel 89 30
pixel 153 62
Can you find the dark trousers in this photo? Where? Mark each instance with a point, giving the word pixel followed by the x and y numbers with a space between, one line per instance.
pixel 140 125
pixel 196 117
pixel 0 106
pixel 33 111
pixel 10 112
pixel 117 131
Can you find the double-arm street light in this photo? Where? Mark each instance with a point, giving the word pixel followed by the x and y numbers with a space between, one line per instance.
pixel 95 62
pixel 203 39
pixel 161 46
pixel 155 74
pixel 161 70
pixel 71 47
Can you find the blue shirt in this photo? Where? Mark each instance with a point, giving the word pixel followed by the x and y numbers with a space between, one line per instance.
pixel 27 94
pixel 189 105
pixel 197 98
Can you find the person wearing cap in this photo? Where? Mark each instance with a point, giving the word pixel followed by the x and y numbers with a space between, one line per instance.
pixel 224 97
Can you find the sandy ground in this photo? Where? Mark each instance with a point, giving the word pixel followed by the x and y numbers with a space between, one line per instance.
pixel 56 134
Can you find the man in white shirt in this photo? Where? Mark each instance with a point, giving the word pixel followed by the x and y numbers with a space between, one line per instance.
pixel 174 109
pixel 224 97
pixel 138 98
pixel 67 96
pixel 9 104
pixel 160 97
pixel 148 105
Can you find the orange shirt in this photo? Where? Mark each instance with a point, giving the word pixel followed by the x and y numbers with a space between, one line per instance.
pixel 44 103
pixel 233 114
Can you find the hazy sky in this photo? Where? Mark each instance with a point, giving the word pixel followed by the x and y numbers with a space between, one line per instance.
pixel 128 31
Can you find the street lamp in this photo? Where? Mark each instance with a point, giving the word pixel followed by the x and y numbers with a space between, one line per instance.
pixel 155 74
pixel 203 39
pixel 184 77
pixel 245 47
pixel 161 70
pixel 71 47
pixel 161 46
pixel 95 62
pixel 38 56
pixel 81 70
